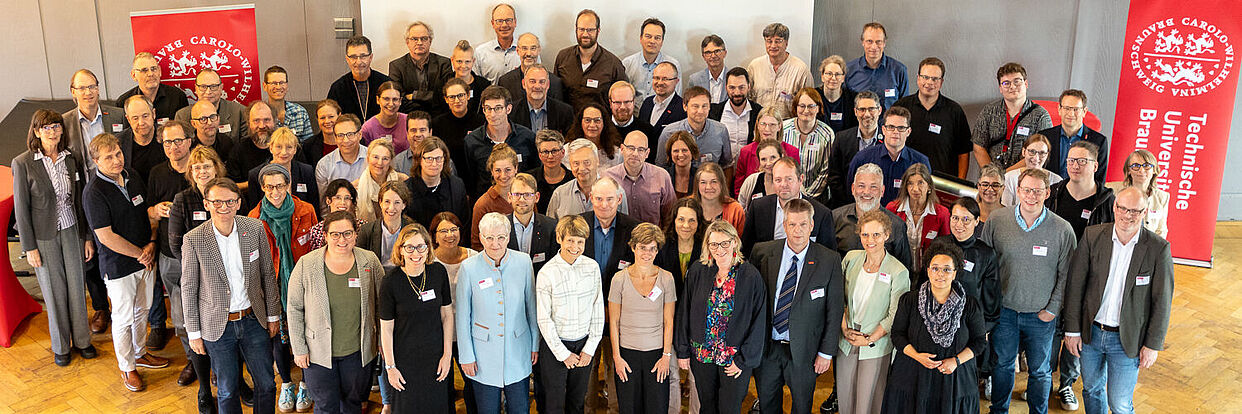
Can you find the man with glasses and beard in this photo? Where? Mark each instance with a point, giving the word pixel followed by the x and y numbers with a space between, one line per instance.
pixel 587 68
pixel 739 113
pixel 252 151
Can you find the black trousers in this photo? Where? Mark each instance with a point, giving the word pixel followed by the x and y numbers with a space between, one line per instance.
pixel 565 389
pixel 95 286
pixel 642 393
pixel 719 393
pixel 342 388
pixel 778 370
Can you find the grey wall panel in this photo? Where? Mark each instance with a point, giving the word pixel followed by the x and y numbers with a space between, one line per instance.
pixel 23 69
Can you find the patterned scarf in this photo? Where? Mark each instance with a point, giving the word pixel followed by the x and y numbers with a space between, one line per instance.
pixel 942 320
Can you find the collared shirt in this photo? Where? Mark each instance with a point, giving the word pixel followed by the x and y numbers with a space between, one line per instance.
pixel 1066 142
pixel 813 153
pixel 491 61
pixel 569 199
pixel 888 79
pixel 893 169
pixel 298 120
pixel 590 85
pixel 332 166
pixel 914 228
pixel 778 85
pixel 992 130
pixel 539 117
pixel 124 177
pixel 570 300
pixel 942 133
pixel 603 241
pixel 524 232
pixel 639 72
pixel 231 256
pixel 658 107
pixel 778 221
pixel 786 260
pixel 1114 289
pixel 59 174
pixel 388 238
pixel 876 138
pixel 651 192
pixel 713 142
pixel 90 129
pixel 738 126
pixel 716 86
pixel 1017 215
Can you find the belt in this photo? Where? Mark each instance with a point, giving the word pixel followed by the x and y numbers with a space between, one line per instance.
pixel 236 316
pixel 1104 327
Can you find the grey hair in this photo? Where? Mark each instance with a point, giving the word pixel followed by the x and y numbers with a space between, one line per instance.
pixel 581 143
pixel 494 222
pixel 869 168
pixel 776 29
pixel 606 180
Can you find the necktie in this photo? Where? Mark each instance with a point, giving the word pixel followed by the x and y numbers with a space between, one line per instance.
pixel 784 301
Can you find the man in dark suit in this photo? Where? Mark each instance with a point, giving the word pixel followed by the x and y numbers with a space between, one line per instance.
pixel 528 50
pixel 665 106
pixel 532 233
pixel 609 240
pixel 537 111
pixel 621 103
pixel 1073 109
pixel 763 217
pixel 165 99
pixel 737 85
pixel 1117 303
pixel 361 80
pixel 807 291
pixel 420 73
pixel 231 297
pixel 849 142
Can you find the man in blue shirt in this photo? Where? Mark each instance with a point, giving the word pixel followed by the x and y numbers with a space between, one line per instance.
pixel 893 157
pixel 1073 109
pixel 875 71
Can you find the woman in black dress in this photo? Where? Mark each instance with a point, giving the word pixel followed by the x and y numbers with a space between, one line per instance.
pixel 415 312
pixel 939 329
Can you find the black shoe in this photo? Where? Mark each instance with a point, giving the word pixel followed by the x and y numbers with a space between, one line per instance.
pixel 89 352
pixel 158 338
pixel 207 406
pixel 755 408
pixel 246 394
pixel 829 405
pixel 62 360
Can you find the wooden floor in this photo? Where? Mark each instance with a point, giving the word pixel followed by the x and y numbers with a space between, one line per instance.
pixel 1199 370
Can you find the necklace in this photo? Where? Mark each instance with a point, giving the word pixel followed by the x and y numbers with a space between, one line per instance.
pixel 421 285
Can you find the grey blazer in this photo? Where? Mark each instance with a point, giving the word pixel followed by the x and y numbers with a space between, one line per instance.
pixel 205 287
pixel 819 300
pixel 112 117
pixel 231 114
pixel 310 319
pixel 1144 308
pixel 34 199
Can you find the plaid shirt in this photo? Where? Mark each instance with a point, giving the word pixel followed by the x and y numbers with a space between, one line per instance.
pixel 298 120
pixel 990 127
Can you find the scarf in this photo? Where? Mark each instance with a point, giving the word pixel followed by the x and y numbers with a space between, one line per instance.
pixel 942 320
pixel 280 220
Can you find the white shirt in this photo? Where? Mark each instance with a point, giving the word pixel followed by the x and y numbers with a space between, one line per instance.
pixel 1118 268
pixel 490 61
pixel 230 253
pixel 786 260
pixel 716 86
pixel 658 107
pixel 738 126
pixel 778 226
pixel 570 300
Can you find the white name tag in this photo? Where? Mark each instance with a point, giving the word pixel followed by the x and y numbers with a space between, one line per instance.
pixel 387 137
pixel 254 255
pixel 817 293
pixel 1022 131
pixel 621 265
pixel 885 278
pixel 835 116
pixel 471 94
pixel 199 215
pixel 519 158
pixel 969 266
pixel 300 187
pixel 896 183
pixel 1039 250
pixel 756 196
pixel 161 121
pixel 427 295
pixel 592 83
pixel 655 293
pixel 890 92
pixel 137 199
pixel 355 282
pixel 302 239
pixel 1086 214
pixel 118 127
pixel 815 239
pixel 1142 280
pixel 935 129
pixel 77 177
pixel 486 283
pixel 931 235
pixel 226 128
pixel 538 258
pixel 707 158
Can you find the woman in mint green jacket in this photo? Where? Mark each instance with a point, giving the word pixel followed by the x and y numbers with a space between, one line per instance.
pixel 874 282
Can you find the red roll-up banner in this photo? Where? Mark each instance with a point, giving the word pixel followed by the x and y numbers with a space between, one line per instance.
pixel 189 40
pixel 1175 99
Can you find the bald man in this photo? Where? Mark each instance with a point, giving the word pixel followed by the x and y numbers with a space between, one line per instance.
pixel 210 88
pixel 528 50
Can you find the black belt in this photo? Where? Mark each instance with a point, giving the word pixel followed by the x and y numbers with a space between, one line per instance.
pixel 1104 327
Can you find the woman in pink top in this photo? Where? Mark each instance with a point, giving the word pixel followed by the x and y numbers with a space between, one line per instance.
pixel 767 127
pixel 390 122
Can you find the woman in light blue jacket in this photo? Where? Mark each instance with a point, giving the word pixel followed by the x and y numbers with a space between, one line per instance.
pixel 497 334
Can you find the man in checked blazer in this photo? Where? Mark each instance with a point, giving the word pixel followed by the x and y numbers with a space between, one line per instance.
pixel 807 291
pixel 230 295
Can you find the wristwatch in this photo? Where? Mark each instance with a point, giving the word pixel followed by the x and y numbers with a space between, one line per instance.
pixel 388 367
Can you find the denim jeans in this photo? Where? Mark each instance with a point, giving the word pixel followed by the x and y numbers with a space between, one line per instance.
pixel 249 335
pixel 1016 330
pixel 516 397
pixel 1105 362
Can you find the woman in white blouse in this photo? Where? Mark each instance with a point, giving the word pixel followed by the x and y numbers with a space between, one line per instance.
pixel 1141 170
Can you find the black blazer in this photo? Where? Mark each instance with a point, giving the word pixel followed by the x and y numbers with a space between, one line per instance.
pixel 371 235
pixel 844 148
pixel 543 243
pixel 512 81
pixel 747 327
pixel 342 91
pixel 449 196
pixel 1090 135
pixel 718 109
pixel 438 70
pixel 667 259
pixel 761 224
pixel 560 115
pixel 623 225
pixel 819 300
pixel 675 111
pixel 311 150
pixel 980 276
pixel 34 199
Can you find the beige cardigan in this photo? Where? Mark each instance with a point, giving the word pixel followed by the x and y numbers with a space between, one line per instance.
pixel 310 321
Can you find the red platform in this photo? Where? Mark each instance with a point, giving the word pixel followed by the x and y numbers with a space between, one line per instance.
pixel 15 303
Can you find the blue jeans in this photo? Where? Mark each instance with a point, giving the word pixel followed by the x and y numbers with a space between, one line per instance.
pixel 1016 330
pixel 1104 361
pixel 252 339
pixel 516 397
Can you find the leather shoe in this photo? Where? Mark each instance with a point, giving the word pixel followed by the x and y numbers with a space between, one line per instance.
pixel 99 322
pixel 89 352
pixel 62 360
pixel 132 381
pixel 830 404
pixel 149 360
pixel 246 394
pixel 188 376
pixel 157 338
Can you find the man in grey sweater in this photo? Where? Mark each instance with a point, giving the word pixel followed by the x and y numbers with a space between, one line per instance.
pixel 1033 246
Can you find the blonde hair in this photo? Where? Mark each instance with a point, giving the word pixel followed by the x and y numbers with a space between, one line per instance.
pixel 203 153
pixel 723 227
pixel 407 232
pixel 572 225
pixel 285 136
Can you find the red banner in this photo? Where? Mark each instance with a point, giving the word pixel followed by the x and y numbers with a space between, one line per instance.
pixel 189 40
pixel 1175 99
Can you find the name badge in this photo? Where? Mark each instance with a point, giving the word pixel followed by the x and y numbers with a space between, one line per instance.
pixel 137 199
pixel 486 283
pixel 1142 280
pixel 785 96
pixel 161 121
pixel 896 183
pixel 622 265
pixel 519 158
pixel 655 293
pixel 199 215
pixel 815 239
pixel 254 255
pixel 538 258
pixel 427 295
pixel 471 93
pixel 890 93
pixel 813 148
pixel 1039 250
pixel 1022 131
pixel 707 157
pixel 300 187
pixel 355 282
pixel 835 116
pixel 387 137
pixel 968 266
pixel 931 235
pixel 1086 214
pixel 118 127
pixel 302 239
pixel 935 129
pixel 885 278
pixel 592 83
pixel 756 196
pixel 226 128
pixel 817 293
pixel 77 177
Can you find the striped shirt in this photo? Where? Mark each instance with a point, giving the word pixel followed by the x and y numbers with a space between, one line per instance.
pixel 570 300
pixel 814 153
pixel 59 173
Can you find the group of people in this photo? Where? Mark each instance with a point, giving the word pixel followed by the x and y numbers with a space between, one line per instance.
pixel 616 234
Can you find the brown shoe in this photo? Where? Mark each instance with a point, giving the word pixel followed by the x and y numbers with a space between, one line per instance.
pixel 149 360
pixel 99 322
pixel 187 376
pixel 132 381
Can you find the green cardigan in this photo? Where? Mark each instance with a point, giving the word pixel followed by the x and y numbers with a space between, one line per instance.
pixel 880 307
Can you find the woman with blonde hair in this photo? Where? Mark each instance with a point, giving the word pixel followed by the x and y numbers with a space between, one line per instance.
pixel 767 128
pixel 379 171
pixel 1141 170
pixel 284 148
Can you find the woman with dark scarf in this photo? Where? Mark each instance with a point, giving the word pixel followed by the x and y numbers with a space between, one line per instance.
pixel 939 329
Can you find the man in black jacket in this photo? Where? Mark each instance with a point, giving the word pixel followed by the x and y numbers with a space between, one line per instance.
pixel 665 106
pixel 847 144
pixel 537 111
pixel 1073 109
pixel 532 233
pixel 743 112
pixel 420 73
pixel 621 103
pixel 764 216
pixel 356 91
pixel 609 241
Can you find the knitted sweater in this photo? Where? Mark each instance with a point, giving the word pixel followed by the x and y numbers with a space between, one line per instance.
pixel 1033 264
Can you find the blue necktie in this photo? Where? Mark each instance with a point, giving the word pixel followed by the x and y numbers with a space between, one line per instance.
pixel 784 302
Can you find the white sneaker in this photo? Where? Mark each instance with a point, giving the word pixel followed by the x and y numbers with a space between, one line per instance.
pixel 304 402
pixel 1069 402
pixel 285 401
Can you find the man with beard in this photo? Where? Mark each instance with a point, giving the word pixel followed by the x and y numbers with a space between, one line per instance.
pixel 621 103
pixel 587 68
pixel 640 66
pixel 496 57
pixel 739 113
pixel 210 88
pixel 663 106
pixel 849 142
pixel 207 133
pixel 355 91
pixel 142 151
pixel 528 50
pixel 537 111
pixel 712 78
pixel 252 152
pixel 164 99
pixel 867 189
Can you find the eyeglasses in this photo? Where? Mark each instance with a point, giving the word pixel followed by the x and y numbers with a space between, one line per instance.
pixel 448 231
pixel 342 234
pixel 493 109
pixel 434 160
pixel 1035 153
pixel 358 57
pixel 1031 191
pixel 210 87
pixel 275 187
pixel 419 39
pixel 1016 83
pixel 867 109
pixel 207 118
pixel 651 247
pixel 721 245
pixel 944 270
pixel 588 29
pixel 278 83
pixel 1073 108
pixel 505 21
pixel 1144 166
pixel 895 128
pixel 994 186
pixel 456 96
pixel 222 203
pixel 91 88
pixel 930 78
pixel 663 78
pixel 713 52
pixel 523 196
pixel 834 74
pixel 408 248
pixel 52 127
pixel 961 219
pixel 174 142
pixel 148 70
pixel 1078 161
pixel 640 150
pixel 550 152
pixel 496 238
pixel 349 134
pixel 1130 211
pixel 341 198
pixel 626 102
pixel 807 107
